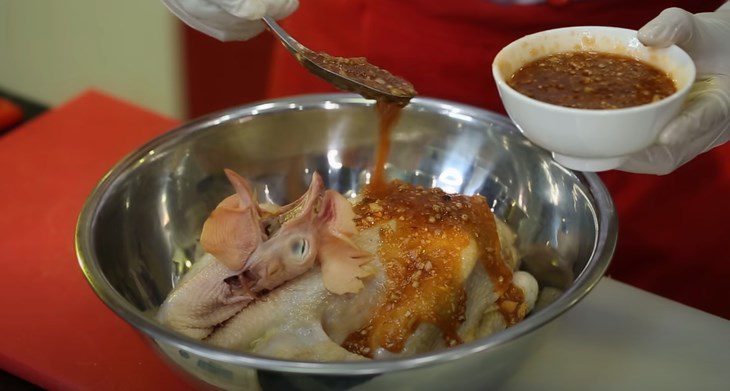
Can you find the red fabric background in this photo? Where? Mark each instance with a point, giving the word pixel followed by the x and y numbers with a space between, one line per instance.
pixel 674 230
pixel 445 48
pixel 218 74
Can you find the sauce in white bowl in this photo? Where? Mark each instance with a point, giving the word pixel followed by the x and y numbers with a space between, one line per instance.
pixel 591 139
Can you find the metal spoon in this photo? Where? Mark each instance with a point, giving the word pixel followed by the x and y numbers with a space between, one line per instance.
pixel 349 74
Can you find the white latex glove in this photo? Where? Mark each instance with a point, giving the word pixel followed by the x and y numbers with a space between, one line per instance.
pixel 704 122
pixel 230 20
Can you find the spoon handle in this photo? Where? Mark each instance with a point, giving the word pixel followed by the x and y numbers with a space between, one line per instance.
pixel 289 43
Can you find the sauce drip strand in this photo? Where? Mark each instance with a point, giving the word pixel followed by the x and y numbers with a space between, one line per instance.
pixel 388 115
pixel 425 236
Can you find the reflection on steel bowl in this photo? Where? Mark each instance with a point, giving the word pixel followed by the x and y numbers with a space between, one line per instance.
pixel 139 231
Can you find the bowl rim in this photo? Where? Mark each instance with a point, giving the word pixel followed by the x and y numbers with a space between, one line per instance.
pixel 605 220
pixel 673 50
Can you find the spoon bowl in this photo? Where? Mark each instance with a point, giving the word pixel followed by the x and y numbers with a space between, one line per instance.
pixel 348 74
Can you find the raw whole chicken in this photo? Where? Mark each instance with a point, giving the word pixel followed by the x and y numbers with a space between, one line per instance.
pixel 404 270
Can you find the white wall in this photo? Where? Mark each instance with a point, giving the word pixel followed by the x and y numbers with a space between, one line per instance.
pixel 50 50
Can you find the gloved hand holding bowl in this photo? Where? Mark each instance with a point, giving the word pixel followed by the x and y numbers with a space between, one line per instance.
pixel 602 107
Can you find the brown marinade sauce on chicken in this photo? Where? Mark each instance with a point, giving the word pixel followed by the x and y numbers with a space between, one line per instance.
pixel 422 260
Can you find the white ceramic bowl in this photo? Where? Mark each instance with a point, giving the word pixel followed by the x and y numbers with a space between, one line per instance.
pixel 583 139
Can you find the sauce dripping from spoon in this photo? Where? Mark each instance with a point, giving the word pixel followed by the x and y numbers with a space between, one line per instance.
pixel 423 281
pixel 388 115
pixel 390 92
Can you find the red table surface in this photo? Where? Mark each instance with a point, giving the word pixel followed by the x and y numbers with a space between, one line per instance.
pixel 56 332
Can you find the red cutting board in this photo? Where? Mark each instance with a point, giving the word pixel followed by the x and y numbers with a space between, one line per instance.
pixel 55 332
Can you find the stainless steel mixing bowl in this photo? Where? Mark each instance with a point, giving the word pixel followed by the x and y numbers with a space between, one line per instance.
pixel 138 232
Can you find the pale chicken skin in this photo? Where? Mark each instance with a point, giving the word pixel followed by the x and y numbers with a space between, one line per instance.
pixel 253 250
pixel 404 270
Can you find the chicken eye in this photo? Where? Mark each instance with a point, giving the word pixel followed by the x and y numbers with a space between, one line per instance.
pixel 300 248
